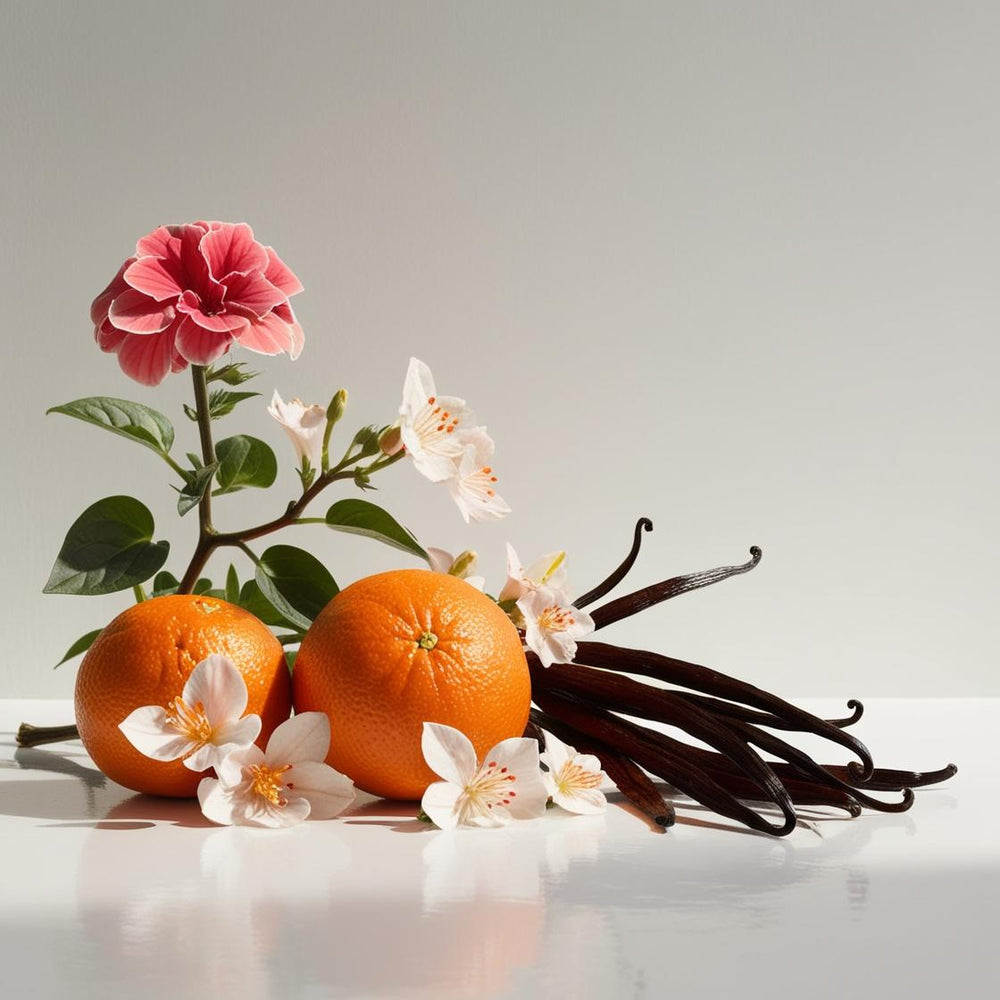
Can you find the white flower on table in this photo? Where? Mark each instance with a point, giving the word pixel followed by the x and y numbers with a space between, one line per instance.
pixel 552 625
pixel 507 785
pixel 201 725
pixel 547 571
pixel 573 780
pixel 282 785
pixel 473 487
pixel 304 425
pixel 432 426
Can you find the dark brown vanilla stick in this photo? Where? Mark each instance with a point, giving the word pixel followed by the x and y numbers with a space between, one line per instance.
pixel 803 793
pixel 731 711
pixel 643 524
pixel 770 743
pixel 631 604
pixel 629 778
pixel 885 779
pixel 601 689
pixel 658 757
pixel 622 694
pixel 703 679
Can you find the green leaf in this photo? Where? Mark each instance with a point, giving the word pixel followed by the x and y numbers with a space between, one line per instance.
pixel 197 482
pixel 359 517
pixel 231 374
pixel 80 646
pixel 130 420
pixel 244 461
pixel 232 586
pixel 252 600
pixel 295 582
pixel 222 401
pixel 165 583
pixel 109 547
pixel 202 586
pixel 290 655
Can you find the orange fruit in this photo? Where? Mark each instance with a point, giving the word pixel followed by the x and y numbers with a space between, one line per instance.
pixel 398 649
pixel 145 656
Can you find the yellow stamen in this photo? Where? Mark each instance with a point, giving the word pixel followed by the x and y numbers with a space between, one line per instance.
pixel 267 782
pixel 189 720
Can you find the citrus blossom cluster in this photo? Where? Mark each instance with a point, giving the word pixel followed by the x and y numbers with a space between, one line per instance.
pixel 205 726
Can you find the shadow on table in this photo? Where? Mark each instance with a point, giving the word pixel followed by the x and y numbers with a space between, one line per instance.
pixel 87 799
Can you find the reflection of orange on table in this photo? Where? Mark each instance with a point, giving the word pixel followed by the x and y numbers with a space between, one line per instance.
pixel 398 649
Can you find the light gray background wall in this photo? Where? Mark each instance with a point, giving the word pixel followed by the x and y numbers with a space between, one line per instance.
pixel 729 265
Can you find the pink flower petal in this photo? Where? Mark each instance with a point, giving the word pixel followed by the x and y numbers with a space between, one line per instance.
pixel 253 292
pixel 135 312
pixel 100 306
pixel 198 345
pixel 156 277
pixel 280 274
pixel 147 359
pixel 232 248
pixel 269 335
pixel 108 338
pixel 284 312
pixel 158 243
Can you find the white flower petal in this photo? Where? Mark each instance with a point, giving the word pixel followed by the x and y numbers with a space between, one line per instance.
pixel 556 753
pixel 418 386
pixel 329 792
pixel 304 425
pixel 216 801
pixel 147 730
pixel 585 801
pixel 448 753
pixel 219 687
pixel 520 757
pixel 587 761
pixel 231 768
pixel 439 560
pixel 278 817
pixel 203 758
pixel 237 735
pixel 514 587
pixel 302 737
pixel 490 818
pixel 439 803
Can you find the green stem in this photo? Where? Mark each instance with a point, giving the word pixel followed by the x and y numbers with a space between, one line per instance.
pixel 140 593
pixel 206 532
pixel 207 445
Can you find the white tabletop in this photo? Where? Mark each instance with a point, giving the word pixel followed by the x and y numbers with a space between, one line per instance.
pixel 109 894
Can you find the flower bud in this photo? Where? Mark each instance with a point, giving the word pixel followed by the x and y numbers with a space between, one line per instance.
pixel 464 564
pixel 391 440
pixel 337 406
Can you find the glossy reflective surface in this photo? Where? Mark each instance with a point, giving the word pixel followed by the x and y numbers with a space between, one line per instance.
pixel 110 894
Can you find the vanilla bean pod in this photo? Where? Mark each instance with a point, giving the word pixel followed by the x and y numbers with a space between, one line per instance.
pixel 662 758
pixel 643 524
pixel 622 694
pixel 885 779
pixel 629 778
pixel 599 689
pixel 692 675
pixel 768 719
pixel 801 761
pixel 631 604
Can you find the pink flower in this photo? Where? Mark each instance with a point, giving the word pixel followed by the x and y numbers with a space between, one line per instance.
pixel 189 293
